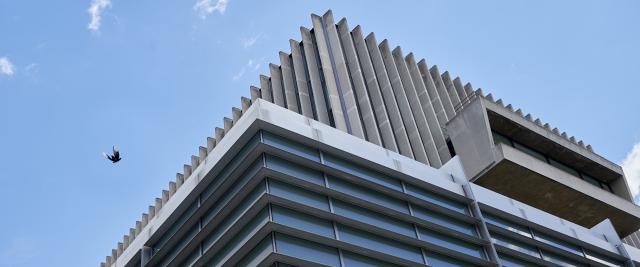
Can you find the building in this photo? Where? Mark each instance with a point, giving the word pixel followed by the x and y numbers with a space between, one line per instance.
pixel 353 154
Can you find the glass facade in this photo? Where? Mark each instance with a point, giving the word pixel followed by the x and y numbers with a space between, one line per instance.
pixel 294 205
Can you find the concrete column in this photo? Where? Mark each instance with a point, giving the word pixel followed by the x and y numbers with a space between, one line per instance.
pixel 125 242
pixel 132 235
pixel 236 113
pixel 138 227
pixel 202 154
pixel 289 88
pixel 227 124
pixel 397 87
pixel 457 83
pixel 427 107
pixel 451 90
pixel 416 108
pixel 389 99
pixel 301 81
pixel 211 143
pixel 246 103
pixel 179 179
pixel 165 197
pixel 158 205
pixel 482 226
pixel 265 91
pixel 468 89
pixel 276 85
pixel 442 92
pixel 359 86
pixel 373 89
pixel 430 85
pixel 219 135
pixel 195 162
pixel 187 171
pixel 172 188
pixel 144 219
pixel 331 87
pixel 354 124
pixel 317 88
pixel 255 92
pixel 152 212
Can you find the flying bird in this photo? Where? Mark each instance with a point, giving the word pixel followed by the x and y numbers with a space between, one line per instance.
pixel 115 157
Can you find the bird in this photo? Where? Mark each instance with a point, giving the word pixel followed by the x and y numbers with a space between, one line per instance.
pixel 115 157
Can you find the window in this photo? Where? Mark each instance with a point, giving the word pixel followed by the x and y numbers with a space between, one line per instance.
pixel 301 221
pixel 381 244
pixel 368 195
pixel 290 146
pixel 355 260
pixel 444 221
pixel 501 139
pixel 373 218
pixel 502 223
pixel 444 261
pixel 295 170
pixel 451 243
pixel 558 243
pixel 508 261
pixel 365 173
pixel 298 194
pixel 564 167
pixel 515 245
pixel 436 199
pixel 307 250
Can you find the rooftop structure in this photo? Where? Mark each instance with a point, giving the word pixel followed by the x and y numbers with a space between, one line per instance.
pixel 351 151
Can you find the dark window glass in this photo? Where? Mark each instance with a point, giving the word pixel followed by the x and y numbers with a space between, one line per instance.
pixel 436 199
pixel 377 243
pixel 560 260
pixel 445 221
pixel 295 170
pixel 511 226
pixel 498 138
pixel 301 221
pixel 508 261
pixel 564 167
pixel 558 243
pixel 438 260
pixel 355 260
pixel 591 180
pixel 176 226
pixel 594 256
pixel 307 250
pixel 515 245
pixel 240 238
pixel 367 194
pixel 298 194
pixel 529 151
pixel 373 218
pixel 257 254
pixel 291 146
pixel 451 243
pixel 362 172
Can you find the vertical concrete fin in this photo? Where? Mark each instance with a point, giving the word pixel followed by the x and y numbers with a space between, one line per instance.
pixel 479 92
pixel 125 241
pixel 165 197
pixel 359 87
pixel 202 154
pixel 219 135
pixel 581 143
pixel 590 148
pixel 430 86
pixel 538 122
pixel 528 117
pixel 416 108
pixel 195 162
pixel 152 212
pixel 132 235
pixel 179 179
pixel 172 188
pixel 334 99
pixel 236 113
pixel 265 91
pixel 119 249
pixel 427 107
pixel 144 220
pixel 313 66
pixel 415 140
pixel 276 85
pixel 138 227
pixel 402 139
pixel 457 83
pixel 227 124
pixel 564 135
pixel 373 89
pixel 442 91
pixel 547 126
pixel 343 79
pixel 255 92
pixel 301 81
pixel 451 90
pixel 519 112
pixel 468 89
pixel 211 143
pixel 489 97
pixel 288 85
pixel 499 102
pixel 158 204
pixel 187 171
pixel 245 103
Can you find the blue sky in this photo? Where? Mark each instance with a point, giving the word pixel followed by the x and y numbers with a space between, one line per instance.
pixel 156 77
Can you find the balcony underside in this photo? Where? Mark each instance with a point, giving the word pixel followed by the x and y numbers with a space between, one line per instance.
pixel 539 191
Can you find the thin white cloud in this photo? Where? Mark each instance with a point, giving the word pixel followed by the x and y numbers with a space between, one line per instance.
pixel 95 10
pixel 6 67
pixel 631 166
pixel 206 7
pixel 251 66
pixel 249 42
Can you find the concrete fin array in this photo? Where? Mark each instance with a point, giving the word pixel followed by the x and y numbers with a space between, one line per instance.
pixel 353 83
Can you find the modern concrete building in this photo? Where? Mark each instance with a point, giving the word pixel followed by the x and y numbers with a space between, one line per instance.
pixel 354 154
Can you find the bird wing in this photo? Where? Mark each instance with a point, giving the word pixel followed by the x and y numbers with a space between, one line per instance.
pixel 105 154
pixel 116 152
